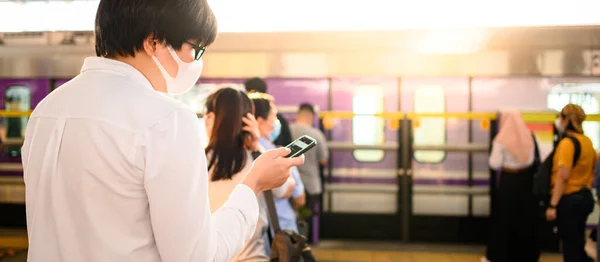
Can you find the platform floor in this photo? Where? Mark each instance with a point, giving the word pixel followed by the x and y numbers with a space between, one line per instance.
pixel 360 251
pixel 329 255
pixel 373 251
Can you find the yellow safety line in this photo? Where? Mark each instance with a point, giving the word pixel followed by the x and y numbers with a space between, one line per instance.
pixel 542 117
pixel 4 113
pixel 13 242
pixel 350 114
pixel 458 115
pixel 401 115
pixel 550 117
pixel 528 117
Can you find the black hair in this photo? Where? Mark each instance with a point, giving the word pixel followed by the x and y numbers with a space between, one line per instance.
pixel 226 145
pixel 306 107
pixel 285 137
pixel 262 107
pixel 255 84
pixel 122 26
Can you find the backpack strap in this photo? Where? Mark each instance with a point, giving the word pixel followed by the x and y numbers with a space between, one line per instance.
pixel 577 146
pixel 537 158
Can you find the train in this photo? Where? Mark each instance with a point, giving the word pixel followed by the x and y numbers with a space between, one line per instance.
pixel 409 115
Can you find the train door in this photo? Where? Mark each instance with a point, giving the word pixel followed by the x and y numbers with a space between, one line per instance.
pixel 443 188
pixel 362 197
pixel 18 97
pixel 290 93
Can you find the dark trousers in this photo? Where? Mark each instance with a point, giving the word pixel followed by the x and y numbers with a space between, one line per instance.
pixel 573 211
pixel 513 227
pixel 313 203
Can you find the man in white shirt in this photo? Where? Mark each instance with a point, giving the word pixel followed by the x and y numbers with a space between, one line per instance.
pixel 115 170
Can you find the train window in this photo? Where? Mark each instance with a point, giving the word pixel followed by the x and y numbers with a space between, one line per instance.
pixel 587 101
pixel 368 130
pixel 16 98
pixel 430 131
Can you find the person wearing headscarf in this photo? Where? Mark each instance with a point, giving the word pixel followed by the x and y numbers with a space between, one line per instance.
pixel 572 200
pixel 513 156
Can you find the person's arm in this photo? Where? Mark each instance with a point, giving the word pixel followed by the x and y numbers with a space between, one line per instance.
pixel 284 191
pixel 176 183
pixel 495 160
pixel 322 150
pixel 298 195
pixel 565 151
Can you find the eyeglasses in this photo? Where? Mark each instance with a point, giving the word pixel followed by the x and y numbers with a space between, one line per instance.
pixel 198 50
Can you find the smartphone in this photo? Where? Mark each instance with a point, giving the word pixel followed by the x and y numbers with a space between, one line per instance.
pixel 301 145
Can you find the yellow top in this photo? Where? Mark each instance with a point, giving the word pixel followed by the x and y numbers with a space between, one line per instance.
pixel 582 174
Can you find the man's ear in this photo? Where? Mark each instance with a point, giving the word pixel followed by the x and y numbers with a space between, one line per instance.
pixel 150 44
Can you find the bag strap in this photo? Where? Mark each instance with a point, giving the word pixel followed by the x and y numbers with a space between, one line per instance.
pixel 272 211
pixel 537 158
pixel 577 146
pixel 270 203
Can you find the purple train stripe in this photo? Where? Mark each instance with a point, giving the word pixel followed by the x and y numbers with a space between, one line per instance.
pixel 9 159
pixel 11 173
pixel 417 181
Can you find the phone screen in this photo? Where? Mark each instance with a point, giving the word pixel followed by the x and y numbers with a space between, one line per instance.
pixel 300 146
pixel 296 147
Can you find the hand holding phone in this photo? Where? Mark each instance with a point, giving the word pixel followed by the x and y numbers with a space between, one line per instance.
pixel 300 146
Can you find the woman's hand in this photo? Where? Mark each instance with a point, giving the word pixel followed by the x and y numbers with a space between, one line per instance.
pixel 271 170
pixel 251 126
pixel 551 214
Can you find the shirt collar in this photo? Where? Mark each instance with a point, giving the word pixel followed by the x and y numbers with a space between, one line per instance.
pixel 266 143
pixel 101 63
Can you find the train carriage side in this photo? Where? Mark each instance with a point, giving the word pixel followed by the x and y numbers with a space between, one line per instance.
pixel 18 96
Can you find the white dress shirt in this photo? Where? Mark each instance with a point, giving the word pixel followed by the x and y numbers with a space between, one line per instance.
pixel 115 171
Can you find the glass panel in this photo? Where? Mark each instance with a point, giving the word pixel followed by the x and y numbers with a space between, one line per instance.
pixel 368 130
pixel 16 98
pixel 583 95
pixel 430 131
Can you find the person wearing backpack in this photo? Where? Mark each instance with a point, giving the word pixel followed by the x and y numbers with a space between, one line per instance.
pixel 573 166
pixel 515 157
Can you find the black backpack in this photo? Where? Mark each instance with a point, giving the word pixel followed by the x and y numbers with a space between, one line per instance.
pixel 541 178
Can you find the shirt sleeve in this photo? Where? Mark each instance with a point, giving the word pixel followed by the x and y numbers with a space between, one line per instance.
pixel 280 191
pixel 299 188
pixel 496 156
pixel 565 152
pixel 176 183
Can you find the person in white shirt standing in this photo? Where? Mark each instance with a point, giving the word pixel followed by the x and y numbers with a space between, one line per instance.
pixel 115 170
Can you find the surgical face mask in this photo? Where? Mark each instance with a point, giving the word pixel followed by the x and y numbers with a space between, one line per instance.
pixel 558 126
pixel 187 74
pixel 276 130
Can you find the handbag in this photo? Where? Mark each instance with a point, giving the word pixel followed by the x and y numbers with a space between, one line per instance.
pixel 286 245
